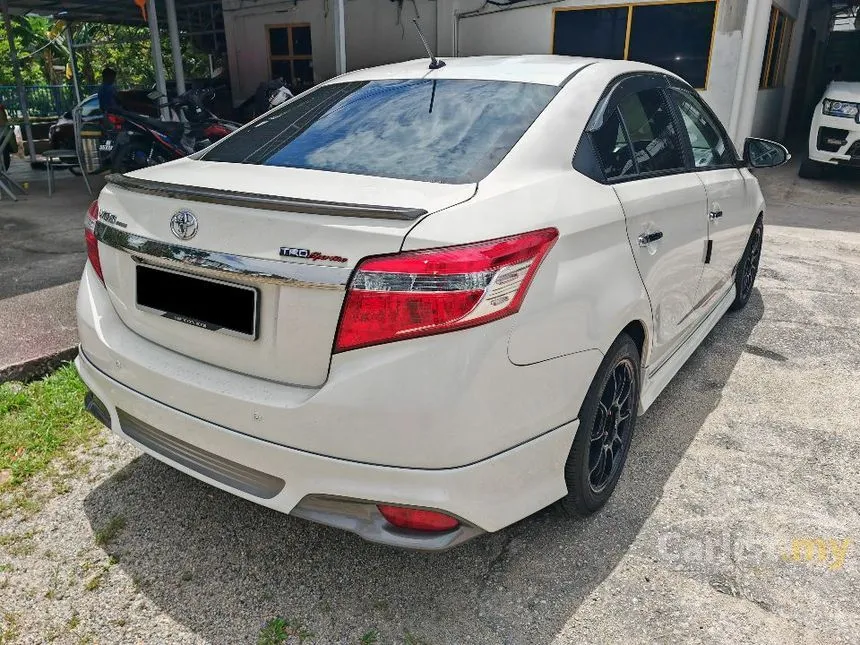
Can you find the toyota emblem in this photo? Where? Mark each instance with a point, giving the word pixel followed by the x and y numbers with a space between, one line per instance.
pixel 183 225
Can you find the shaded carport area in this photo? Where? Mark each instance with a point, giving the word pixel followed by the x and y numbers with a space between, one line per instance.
pixel 43 252
pixel 190 17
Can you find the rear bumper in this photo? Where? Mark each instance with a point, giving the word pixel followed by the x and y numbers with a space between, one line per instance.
pixel 486 496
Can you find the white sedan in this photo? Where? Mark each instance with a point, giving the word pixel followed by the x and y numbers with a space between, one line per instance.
pixel 421 304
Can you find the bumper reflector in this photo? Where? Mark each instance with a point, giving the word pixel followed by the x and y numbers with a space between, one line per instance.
pixel 417 519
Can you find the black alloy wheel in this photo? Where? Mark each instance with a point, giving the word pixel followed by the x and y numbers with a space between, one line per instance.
pixel 607 420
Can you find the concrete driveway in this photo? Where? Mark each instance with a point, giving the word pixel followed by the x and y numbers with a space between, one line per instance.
pixel 737 518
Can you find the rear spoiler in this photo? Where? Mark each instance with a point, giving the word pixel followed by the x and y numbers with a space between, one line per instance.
pixel 262 202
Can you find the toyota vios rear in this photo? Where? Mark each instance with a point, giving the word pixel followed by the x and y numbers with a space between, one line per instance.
pixel 385 305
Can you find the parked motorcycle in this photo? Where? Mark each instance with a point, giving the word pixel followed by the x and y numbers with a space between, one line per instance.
pixel 268 95
pixel 136 141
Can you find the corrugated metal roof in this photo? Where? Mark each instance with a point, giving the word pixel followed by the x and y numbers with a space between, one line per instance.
pixel 195 14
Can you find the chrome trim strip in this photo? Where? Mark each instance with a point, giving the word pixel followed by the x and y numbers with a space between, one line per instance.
pixel 225 265
pixel 264 202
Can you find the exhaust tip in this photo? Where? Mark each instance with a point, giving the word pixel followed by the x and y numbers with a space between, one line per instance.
pixel 95 407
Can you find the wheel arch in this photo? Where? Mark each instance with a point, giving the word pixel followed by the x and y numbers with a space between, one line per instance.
pixel 638 331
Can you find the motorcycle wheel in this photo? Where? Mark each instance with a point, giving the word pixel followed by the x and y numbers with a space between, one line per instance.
pixel 130 156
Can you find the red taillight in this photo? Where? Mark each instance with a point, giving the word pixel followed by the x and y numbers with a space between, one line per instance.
pixel 90 237
pixel 428 292
pixel 417 519
pixel 115 121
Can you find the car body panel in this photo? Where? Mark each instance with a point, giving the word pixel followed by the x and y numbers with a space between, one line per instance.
pixel 490 494
pixel 361 413
pixel 731 196
pixel 670 267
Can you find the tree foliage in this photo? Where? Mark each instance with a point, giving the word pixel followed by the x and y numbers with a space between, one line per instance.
pixel 44 55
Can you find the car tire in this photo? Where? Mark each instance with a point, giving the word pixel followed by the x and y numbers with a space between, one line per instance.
pixel 747 270
pixel 607 420
pixel 810 169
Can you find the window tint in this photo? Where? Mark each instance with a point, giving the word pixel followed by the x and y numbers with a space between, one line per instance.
pixel 613 148
pixel 652 131
pixel 709 147
pixel 676 37
pixel 600 33
pixel 446 131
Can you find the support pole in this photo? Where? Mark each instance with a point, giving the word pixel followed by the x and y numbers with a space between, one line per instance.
pixel 157 59
pixel 73 60
pixel 339 38
pixel 175 49
pixel 16 71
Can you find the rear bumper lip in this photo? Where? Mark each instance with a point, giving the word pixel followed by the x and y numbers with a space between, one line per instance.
pixel 486 496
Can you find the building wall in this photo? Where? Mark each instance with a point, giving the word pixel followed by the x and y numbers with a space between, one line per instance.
pixel 373 35
pixel 474 27
pixel 528 30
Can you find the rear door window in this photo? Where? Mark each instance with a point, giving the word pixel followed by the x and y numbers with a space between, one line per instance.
pixel 656 145
pixel 446 131
pixel 613 148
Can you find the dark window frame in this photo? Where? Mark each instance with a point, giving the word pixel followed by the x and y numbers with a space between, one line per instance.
pixel 586 159
pixel 721 130
pixel 630 10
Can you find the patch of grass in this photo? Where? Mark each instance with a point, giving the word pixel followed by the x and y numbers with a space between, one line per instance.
pixel 278 631
pixel 74 621
pixel 41 421
pixel 18 544
pixel 370 637
pixel 95 582
pixel 9 628
pixel 109 532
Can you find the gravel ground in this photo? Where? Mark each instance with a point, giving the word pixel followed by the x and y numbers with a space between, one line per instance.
pixel 751 450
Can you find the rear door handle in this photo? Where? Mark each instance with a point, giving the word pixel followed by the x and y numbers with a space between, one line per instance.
pixel 716 214
pixel 649 238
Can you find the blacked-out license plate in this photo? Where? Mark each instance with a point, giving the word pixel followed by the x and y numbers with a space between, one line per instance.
pixel 202 302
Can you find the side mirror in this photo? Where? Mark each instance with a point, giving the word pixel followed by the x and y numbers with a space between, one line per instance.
pixel 763 153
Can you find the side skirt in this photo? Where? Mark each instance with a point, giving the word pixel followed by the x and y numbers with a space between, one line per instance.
pixel 655 383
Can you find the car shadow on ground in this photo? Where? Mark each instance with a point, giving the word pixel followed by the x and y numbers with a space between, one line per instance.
pixel 221 566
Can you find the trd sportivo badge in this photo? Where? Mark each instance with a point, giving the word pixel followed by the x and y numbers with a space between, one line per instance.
pixel 307 254
pixel 183 225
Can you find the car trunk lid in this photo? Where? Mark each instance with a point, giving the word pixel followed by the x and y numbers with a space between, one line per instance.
pixel 290 237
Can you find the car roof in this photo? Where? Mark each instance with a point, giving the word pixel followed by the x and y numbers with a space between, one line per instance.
pixel 541 69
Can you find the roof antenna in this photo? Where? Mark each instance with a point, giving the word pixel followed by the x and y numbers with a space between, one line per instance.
pixel 435 63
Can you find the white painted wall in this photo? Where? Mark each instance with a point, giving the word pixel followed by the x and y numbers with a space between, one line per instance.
pixel 373 36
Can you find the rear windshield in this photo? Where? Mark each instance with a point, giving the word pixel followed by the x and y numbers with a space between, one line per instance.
pixel 446 131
